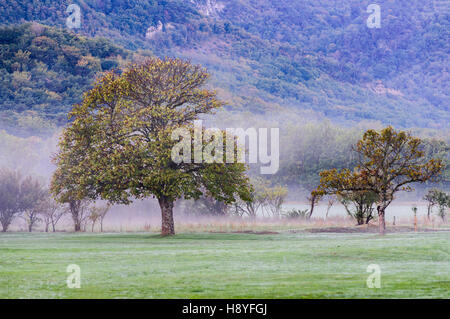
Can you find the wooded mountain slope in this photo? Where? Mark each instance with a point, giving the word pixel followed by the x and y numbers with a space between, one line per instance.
pixel 317 58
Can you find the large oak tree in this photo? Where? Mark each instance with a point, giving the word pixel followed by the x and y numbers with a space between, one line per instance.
pixel 118 146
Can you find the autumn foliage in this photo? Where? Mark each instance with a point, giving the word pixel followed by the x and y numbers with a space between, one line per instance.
pixel 118 147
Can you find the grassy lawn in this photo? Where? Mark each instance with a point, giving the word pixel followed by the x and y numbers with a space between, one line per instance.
pixel 224 265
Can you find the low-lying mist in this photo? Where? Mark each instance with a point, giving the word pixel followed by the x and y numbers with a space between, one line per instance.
pixel 306 146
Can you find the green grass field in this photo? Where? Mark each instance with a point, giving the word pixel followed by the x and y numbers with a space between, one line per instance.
pixel 413 265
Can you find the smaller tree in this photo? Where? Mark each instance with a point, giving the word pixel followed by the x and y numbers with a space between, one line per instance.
pixel 443 202
pixel 433 198
pixel 35 194
pixel 275 197
pixel 258 198
pixel 262 198
pixel 51 212
pixel 102 212
pixel 93 218
pixel 442 212
pixel 389 161
pixel 351 194
pixel 98 214
pixel 17 195
pixel 297 214
pixel 31 217
pixel 359 205
pixel 46 220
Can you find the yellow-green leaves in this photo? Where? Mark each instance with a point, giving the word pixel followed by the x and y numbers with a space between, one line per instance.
pixel 118 146
pixel 389 160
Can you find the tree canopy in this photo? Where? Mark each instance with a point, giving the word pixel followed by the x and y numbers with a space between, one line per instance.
pixel 389 161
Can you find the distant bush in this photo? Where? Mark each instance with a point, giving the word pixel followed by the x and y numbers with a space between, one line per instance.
pixel 297 214
pixel 109 64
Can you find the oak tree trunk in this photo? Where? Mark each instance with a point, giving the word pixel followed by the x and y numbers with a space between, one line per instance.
pixel 76 223
pixel 75 212
pixel 167 225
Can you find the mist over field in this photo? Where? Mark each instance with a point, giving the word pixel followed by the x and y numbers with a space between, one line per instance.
pixel 33 155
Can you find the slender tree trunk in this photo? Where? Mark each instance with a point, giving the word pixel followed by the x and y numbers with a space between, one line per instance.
pixel 6 219
pixel 30 227
pixel 360 213
pixel 368 213
pixel 381 220
pixel 330 204
pixel 360 220
pixel 167 226
pixel 313 202
pixel 54 227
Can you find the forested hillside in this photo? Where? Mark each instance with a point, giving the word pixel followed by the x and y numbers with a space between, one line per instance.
pixel 44 71
pixel 316 58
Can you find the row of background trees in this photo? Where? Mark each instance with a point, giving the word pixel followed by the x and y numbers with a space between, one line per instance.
pixel 268 201
pixel 308 149
pixel 27 198
pixel 387 162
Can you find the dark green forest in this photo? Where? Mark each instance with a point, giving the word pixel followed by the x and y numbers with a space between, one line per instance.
pixel 44 71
